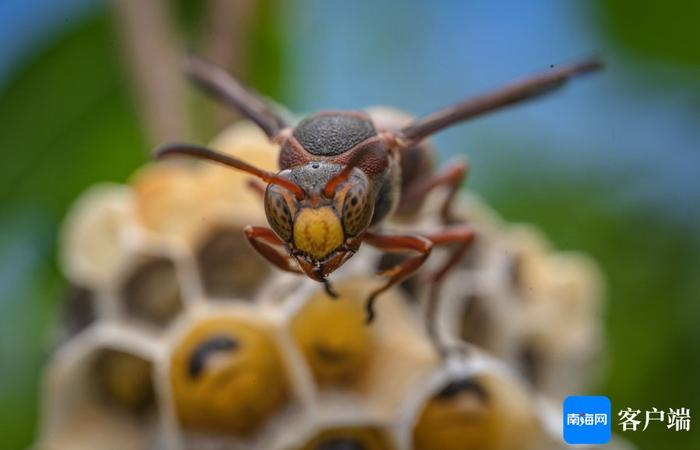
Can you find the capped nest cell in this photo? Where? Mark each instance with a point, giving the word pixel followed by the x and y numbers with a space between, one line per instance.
pixel 476 404
pixel 179 336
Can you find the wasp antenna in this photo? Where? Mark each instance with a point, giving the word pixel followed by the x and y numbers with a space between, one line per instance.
pixel 217 82
pixel 359 156
pixel 523 90
pixel 196 151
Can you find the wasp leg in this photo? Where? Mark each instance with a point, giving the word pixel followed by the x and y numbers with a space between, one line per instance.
pixel 458 234
pixel 326 284
pixel 463 235
pixel 329 289
pixel 402 270
pixel 451 176
pixel 262 239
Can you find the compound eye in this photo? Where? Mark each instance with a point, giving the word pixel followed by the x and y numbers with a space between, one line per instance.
pixel 357 206
pixel 278 211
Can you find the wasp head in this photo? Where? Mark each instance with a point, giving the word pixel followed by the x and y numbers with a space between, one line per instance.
pixel 322 227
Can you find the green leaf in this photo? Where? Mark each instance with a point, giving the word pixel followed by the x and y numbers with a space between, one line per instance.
pixel 666 30
pixel 67 123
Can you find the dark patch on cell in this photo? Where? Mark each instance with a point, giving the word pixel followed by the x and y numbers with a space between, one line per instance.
pixel 228 266
pixel 206 349
pixel 340 444
pixel 461 386
pixel 124 381
pixel 472 258
pixel 332 134
pixel 530 362
pixel 476 323
pixel 79 311
pixel 152 292
pixel 330 355
pixel 515 268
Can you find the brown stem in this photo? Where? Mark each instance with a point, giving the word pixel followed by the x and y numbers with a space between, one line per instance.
pixel 153 58
pixel 226 27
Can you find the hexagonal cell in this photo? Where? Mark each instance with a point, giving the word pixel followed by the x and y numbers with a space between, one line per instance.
pixel 228 379
pixel 477 308
pixel 228 266
pixel 560 328
pixel 357 366
pixel 479 411
pixel 336 343
pixel 124 381
pixel 458 416
pixel 556 375
pixel 526 251
pixel 350 438
pixel 100 394
pixel 79 311
pixel 168 199
pixel 151 292
pixel 93 234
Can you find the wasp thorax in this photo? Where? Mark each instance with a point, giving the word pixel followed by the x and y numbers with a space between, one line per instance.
pixel 332 133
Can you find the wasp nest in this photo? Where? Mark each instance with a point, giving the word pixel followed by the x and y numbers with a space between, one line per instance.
pixel 180 336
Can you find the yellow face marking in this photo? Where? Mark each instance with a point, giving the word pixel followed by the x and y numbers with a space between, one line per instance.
pixel 317 232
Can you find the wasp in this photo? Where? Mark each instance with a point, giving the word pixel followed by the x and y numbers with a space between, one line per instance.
pixel 343 173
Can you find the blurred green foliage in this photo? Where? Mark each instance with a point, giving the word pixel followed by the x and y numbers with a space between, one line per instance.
pixel 266 49
pixel 666 31
pixel 67 123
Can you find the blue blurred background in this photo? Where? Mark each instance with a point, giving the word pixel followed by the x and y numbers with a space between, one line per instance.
pixel 609 166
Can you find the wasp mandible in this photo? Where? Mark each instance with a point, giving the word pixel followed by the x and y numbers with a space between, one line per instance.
pixel 342 173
